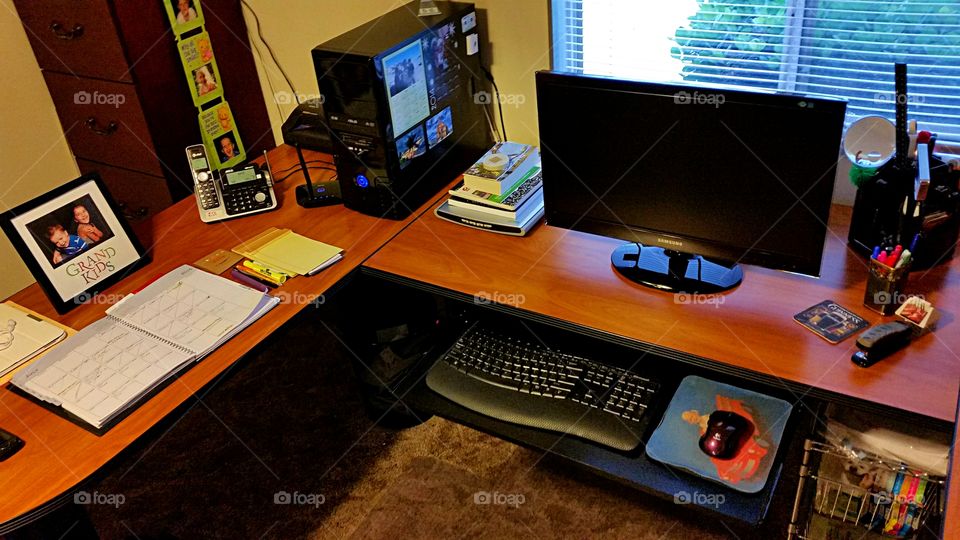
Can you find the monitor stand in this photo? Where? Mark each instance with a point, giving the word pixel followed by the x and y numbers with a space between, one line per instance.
pixel 674 271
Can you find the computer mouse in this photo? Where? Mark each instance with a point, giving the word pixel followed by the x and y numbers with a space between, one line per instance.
pixel 726 434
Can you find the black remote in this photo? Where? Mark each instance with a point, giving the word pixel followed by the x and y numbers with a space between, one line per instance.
pixel 879 342
pixel 9 444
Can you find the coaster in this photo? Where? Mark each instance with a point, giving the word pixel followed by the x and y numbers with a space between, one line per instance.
pixel 831 321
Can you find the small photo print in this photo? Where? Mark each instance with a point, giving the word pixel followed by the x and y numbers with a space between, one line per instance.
pixel 411 144
pixel 69 230
pixel 185 10
pixel 184 15
pixel 439 126
pixel 205 80
pixel 227 147
pixel 404 68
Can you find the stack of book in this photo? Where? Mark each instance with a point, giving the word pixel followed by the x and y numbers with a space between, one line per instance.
pixel 502 192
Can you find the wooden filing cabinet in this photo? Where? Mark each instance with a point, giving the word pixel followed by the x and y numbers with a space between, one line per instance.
pixel 112 69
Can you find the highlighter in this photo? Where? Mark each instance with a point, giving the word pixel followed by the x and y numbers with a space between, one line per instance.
pixel 275 275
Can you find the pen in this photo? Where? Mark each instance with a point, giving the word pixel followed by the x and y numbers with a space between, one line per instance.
pixel 249 282
pixel 913 244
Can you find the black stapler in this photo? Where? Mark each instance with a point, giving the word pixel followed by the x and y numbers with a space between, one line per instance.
pixel 881 341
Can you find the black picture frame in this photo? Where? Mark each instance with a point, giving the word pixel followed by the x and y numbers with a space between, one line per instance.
pixel 33 226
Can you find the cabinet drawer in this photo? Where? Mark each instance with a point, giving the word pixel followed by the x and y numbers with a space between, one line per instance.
pixel 140 195
pixel 103 122
pixel 75 36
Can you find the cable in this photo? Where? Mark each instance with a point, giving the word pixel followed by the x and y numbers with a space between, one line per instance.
pixel 493 129
pixel 308 161
pixel 282 178
pixel 496 90
pixel 266 73
pixel 273 55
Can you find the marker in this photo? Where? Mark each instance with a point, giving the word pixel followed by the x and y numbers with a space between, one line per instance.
pixel 913 244
pixel 876 252
pixel 904 259
pixel 249 282
pixel 260 278
pixel 269 272
pixel 882 258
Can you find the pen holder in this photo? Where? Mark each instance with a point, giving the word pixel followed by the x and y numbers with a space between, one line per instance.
pixel 885 287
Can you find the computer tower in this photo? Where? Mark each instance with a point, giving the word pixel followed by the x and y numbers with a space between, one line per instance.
pixel 404 99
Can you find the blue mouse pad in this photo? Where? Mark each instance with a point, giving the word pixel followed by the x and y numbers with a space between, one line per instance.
pixel 676 440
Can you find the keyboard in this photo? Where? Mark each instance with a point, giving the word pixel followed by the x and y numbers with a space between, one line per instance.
pixel 518 380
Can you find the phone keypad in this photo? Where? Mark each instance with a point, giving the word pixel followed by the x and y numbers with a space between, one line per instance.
pixel 246 199
pixel 207 191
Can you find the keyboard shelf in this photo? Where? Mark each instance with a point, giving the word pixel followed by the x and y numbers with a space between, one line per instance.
pixel 634 468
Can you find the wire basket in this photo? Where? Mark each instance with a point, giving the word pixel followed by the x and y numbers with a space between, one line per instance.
pixel 889 500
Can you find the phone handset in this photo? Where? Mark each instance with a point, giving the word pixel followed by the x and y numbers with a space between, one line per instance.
pixel 206 187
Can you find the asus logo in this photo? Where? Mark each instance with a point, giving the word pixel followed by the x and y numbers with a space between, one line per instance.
pixel 668 241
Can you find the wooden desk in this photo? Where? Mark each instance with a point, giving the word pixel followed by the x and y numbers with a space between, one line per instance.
pixel 566 277
pixel 59 455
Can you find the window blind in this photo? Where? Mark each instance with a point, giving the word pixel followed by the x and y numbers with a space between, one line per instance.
pixel 840 48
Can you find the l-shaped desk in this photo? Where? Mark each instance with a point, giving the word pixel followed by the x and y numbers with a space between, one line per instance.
pixel 564 280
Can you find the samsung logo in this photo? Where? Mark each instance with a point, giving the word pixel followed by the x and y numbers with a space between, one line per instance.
pixel 668 241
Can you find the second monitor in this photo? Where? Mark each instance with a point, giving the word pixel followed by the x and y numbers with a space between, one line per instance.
pixel 696 179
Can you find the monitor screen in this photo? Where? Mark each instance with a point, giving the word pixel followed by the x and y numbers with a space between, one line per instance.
pixel 732 175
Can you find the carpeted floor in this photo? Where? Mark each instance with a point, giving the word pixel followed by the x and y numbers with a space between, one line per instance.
pixel 284 449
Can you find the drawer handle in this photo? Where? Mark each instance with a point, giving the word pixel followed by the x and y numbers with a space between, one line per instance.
pixel 94 126
pixel 58 31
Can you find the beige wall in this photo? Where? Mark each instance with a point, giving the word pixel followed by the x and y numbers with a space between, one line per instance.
pixel 33 154
pixel 518 31
pixel 34 159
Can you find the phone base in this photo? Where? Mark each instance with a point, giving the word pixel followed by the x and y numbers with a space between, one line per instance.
pixel 323 194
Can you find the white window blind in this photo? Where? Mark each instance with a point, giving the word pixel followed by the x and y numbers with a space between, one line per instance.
pixel 842 48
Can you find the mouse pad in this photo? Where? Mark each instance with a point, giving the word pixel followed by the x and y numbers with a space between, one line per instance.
pixel 675 442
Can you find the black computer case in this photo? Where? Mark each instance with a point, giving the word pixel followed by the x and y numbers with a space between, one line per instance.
pixel 404 98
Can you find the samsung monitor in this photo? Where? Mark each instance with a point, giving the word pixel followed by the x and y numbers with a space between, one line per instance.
pixel 696 180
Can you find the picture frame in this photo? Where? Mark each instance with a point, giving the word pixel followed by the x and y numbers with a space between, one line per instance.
pixel 74 241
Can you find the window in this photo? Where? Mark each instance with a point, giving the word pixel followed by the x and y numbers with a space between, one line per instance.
pixel 842 48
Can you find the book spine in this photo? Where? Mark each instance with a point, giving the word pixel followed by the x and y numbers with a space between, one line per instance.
pixel 479 206
pixel 477 224
pixel 166 341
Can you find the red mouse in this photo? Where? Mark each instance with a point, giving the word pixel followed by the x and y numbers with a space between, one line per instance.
pixel 725 435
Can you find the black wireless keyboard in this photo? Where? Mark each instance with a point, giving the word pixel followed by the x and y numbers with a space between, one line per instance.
pixel 515 380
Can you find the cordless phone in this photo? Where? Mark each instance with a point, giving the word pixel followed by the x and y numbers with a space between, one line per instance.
pixel 236 192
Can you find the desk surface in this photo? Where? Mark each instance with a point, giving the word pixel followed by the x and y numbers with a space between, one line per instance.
pixel 58 454
pixel 566 276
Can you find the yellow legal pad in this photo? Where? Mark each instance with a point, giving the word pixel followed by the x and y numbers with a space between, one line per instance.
pixel 289 252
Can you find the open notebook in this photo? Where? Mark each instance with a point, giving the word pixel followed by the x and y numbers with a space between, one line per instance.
pixel 145 340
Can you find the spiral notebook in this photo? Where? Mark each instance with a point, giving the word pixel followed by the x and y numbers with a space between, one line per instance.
pixel 145 340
